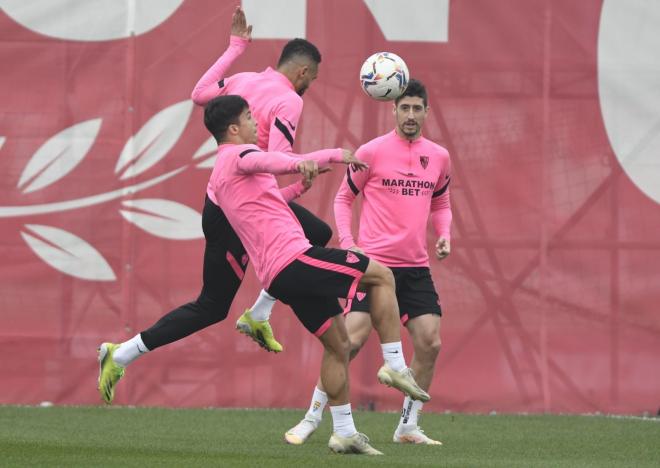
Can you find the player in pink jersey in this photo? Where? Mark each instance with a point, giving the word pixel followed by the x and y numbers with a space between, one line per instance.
pixel 407 183
pixel 278 105
pixel 275 101
pixel 308 278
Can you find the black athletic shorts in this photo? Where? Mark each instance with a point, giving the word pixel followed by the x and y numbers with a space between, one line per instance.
pixel 313 282
pixel 415 294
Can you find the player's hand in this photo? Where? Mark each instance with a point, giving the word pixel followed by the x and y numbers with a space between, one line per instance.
pixel 348 157
pixel 306 183
pixel 442 248
pixel 357 249
pixel 309 169
pixel 239 26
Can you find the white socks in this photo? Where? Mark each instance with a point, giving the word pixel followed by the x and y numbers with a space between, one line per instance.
pixel 129 351
pixel 393 355
pixel 342 420
pixel 315 411
pixel 263 306
pixel 410 412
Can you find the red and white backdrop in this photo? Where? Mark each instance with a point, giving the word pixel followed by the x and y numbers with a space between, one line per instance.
pixel 550 110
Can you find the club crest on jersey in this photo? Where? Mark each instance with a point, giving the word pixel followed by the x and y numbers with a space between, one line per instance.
pixel 244 259
pixel 424 161
pixel 351 258
pixel 360 296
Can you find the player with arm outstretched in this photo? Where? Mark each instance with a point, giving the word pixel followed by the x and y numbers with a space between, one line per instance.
pixel 274 95
pixel 308 278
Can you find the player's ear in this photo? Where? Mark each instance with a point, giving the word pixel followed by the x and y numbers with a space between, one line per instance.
pixel 233 129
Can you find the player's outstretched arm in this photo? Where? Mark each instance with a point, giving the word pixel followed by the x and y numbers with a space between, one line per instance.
pixel 252 161
pixel 210 85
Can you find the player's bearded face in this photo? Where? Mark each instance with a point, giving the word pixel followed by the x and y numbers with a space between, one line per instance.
pixel 310 74
pixel 410 113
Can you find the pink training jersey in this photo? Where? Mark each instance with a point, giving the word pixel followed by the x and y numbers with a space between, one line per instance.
pixel 242 184
pixel 273 100
pixel 406 182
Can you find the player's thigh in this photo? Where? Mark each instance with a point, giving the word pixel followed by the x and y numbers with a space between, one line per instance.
pixel 335 336
pixel 320 271
pixel 316 313
pixel 376 274
pixel 317 231
pixel 225 258
pixel 416 293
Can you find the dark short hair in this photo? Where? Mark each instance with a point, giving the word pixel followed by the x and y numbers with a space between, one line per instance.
pixel 415 89
pixel 299 47
pixel 221 112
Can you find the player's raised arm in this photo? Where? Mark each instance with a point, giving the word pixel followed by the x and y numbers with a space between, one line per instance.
pixel 211 83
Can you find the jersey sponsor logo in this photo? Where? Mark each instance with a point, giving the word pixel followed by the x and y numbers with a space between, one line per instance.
pixel 424 161
pixel 421 184
pixel 408 187
pixel 351 258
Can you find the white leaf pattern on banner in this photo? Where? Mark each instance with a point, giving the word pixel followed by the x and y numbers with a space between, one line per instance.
pixel 68 253
pixel 59 155
pixel 153 141
pixel 208 149
pixel 2 141
pixel 164 218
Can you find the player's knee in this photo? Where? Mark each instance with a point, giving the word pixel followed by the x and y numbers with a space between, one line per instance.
pixel 355 348
pixel 212 310
pixel 340 347
pixel 386 275
pixel 431 347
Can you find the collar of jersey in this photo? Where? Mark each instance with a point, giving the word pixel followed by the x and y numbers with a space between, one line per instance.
pixel 396 135
pixel 275 75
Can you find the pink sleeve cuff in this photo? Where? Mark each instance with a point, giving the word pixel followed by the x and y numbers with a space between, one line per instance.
pixel 238 42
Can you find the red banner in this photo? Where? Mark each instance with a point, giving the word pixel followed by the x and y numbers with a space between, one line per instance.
pixel 549 112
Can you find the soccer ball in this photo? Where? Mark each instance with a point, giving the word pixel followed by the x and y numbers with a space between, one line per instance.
pixel 384 76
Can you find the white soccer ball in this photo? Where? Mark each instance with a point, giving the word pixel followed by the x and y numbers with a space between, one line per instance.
pixel 384 76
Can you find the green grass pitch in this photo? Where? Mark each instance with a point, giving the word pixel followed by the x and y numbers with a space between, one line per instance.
pixel 144 437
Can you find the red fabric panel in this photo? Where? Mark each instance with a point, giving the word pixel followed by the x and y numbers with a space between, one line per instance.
pixel 550 294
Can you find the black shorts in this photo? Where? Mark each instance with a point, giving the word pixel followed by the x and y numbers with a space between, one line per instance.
pixel 415 294
pixel 313 282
